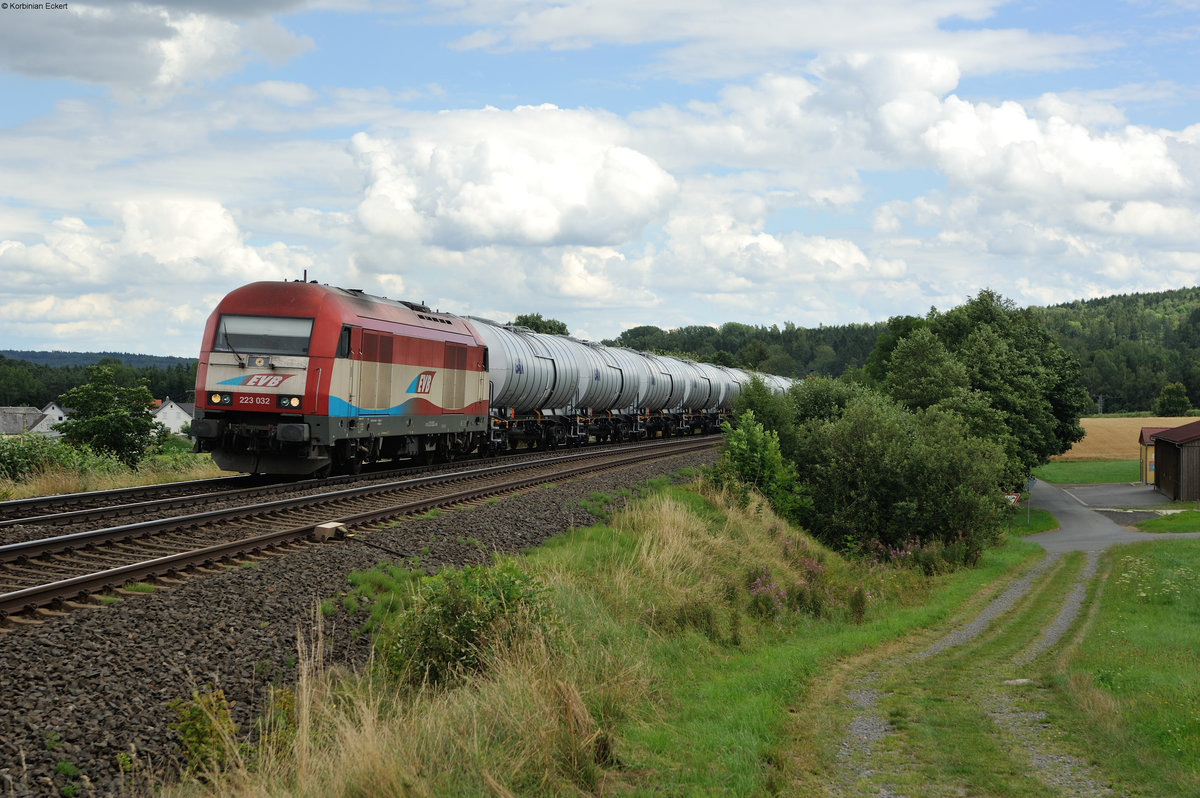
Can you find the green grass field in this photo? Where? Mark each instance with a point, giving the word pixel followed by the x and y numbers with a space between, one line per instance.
pixel 1089 472
pixel 1186 521
pixel 1130 689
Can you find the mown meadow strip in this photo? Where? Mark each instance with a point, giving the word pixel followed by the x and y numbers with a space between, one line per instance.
pixel 1089 472
pixel 1131 689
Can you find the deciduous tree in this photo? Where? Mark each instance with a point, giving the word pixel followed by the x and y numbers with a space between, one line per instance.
pixel 1173 400
pixel 535 322
pixel 109 417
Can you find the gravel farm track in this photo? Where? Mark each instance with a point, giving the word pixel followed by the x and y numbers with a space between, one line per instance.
pixel 94 683
pixel 987 664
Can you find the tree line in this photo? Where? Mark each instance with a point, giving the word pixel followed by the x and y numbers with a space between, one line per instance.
pixel 25 383
pixel 1129 348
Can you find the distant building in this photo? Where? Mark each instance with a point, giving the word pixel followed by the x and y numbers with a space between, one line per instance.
pixel 174 415
pixel 1146 449
pixel 1177 462
pixel 52 414
pixel 18 420
pixel 30 420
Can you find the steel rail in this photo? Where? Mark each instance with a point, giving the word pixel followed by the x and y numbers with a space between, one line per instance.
pixel 54 545
pixel 107 504
pixel 53 594
pixel 22 511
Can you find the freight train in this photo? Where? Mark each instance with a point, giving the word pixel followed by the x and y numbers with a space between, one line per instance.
pixel 308 379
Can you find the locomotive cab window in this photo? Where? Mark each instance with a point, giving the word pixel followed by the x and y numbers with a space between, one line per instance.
pixel 265 335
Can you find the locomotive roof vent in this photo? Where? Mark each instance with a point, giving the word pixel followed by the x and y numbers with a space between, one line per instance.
pixel 417 306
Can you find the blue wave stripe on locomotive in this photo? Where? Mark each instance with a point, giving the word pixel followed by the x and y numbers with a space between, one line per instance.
pixel 413 407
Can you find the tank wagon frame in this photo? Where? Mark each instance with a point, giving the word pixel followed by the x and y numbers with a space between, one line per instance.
pixel 301 378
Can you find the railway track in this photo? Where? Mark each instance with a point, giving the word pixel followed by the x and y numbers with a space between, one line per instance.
pixel 44 509
pixel 85 510
pixel 54 572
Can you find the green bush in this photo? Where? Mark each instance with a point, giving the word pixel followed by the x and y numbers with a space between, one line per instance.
pixel 457 616
pixel 23 456
pixel 752 459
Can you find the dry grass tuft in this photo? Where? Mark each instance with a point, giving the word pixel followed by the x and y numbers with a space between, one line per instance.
pixel 1096 703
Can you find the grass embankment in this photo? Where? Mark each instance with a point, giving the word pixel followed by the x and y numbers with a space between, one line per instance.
pixel 1030 521
pixel 89 473
pixel 689 629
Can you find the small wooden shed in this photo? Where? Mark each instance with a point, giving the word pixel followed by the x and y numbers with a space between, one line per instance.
pixel 1146 450
pixel 1177 462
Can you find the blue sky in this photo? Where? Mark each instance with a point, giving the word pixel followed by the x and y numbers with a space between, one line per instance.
pixel 609 164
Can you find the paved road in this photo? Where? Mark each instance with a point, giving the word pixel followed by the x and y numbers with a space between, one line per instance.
pixel 1084 529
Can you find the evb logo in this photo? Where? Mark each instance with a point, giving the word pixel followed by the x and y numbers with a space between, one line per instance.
pixel 422 383
pixel 257 380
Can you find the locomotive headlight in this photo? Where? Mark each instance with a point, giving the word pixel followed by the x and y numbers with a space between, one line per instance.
pixel 220 398
pixel 289 402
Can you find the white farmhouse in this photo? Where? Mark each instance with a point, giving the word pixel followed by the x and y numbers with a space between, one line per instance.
pixel 174 415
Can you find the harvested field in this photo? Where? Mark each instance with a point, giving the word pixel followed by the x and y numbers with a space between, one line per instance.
pixel 1115 438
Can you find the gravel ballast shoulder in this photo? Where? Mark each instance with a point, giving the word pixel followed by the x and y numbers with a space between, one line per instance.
pixel 94 684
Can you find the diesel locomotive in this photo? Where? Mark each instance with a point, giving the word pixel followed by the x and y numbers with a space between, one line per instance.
pixel 304 378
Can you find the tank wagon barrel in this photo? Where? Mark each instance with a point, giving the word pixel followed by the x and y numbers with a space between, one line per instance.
pixel 302 378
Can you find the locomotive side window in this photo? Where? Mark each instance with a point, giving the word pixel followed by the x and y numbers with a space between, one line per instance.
pixel 343 349
pixel 263 335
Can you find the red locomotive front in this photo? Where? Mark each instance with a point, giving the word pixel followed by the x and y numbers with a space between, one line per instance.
pixel 303 378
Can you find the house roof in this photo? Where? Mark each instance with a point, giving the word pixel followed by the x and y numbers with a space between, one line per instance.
pixel 15 420
pixel 1148 433
pixel 1188 433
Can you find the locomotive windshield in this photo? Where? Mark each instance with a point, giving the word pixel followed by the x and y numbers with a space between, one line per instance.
pixel 263 335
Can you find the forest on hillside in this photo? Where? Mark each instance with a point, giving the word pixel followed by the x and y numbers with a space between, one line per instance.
pixel 24 383
pixel 1128 347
